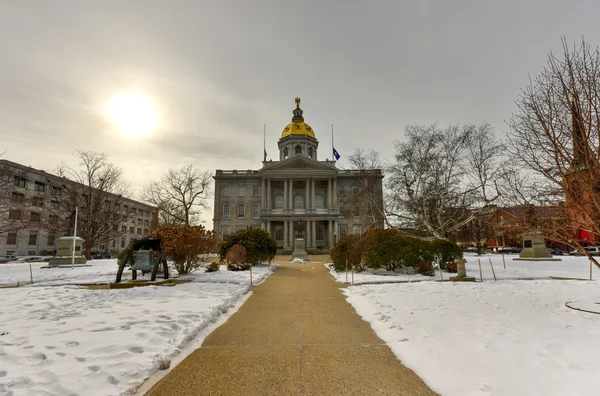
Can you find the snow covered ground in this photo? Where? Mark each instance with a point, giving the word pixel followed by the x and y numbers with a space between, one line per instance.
pixel 569 267
pixel 68 340
pixel 511 337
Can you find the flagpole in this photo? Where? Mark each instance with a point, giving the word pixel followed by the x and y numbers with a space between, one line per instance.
pixel 264 142
pixel 332 146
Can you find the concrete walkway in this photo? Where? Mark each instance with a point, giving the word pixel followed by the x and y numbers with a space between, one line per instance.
pixel 296 335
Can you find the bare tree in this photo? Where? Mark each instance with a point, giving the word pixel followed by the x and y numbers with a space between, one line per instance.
pixel 180 195
pixel 98 196
pixel 554 137
pixel 441 179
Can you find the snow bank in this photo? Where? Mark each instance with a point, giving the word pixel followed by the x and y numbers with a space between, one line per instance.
pixel 502 338
pixel 68 340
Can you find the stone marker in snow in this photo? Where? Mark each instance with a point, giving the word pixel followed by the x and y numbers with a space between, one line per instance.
pixel 461 272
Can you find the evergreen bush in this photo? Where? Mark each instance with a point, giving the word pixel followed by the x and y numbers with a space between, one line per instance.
pixel 260 246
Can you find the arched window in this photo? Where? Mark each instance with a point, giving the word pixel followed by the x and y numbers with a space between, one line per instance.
pixel 319 201
pixel 226 210
pixel 285 152
pixel 278 201
pixel 342 209
pixel 356 210
pixel 298 149
pixel 310 152
pixel 255 210
pixel 299 201
pixel 241 211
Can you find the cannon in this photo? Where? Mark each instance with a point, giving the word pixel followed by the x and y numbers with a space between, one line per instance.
pixel 144 260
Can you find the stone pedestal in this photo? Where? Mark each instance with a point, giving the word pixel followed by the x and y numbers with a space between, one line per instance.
pixel 461 272
pixel 299 250
pixel 64 251
pixel 534 247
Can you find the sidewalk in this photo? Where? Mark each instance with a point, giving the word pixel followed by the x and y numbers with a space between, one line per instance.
pixel 296 335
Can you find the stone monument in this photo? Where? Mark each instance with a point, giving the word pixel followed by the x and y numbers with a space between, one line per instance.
pixel 461 270
pixel 534 249
pixel 299 250
pixel 64 252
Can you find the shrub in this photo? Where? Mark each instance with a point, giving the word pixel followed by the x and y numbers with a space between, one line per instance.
pixel 383 249
pixel 260 246
pixel 184 244
pixel 236 254
pixel 451 267
pixel 425 268
pixel 213 267
pixel 347 248
pixel 444 252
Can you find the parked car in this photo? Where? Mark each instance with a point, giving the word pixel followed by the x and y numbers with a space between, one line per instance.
pixel 576 253
pixel 29 259
pixel 555 252
pixel 471 249
pixel 593 250
pixel 6 259
pixel 509 250
pixel 103 255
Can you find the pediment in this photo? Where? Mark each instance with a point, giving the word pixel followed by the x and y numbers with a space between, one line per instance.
pixel 299 162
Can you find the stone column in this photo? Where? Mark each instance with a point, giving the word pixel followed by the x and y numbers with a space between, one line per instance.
pixel 268 193
pixel 329 233
pixel 313 188
pixel 328 193
pixel 307 234
pixel 291 229
pixel 285 234
pixel 269 227
pixel 263 194
pixel 306 206
pixel 292 195
pixel 334 193
pixel 285 194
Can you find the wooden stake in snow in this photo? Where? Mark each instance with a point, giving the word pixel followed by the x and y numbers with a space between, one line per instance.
pixel 346 270
pixel 30 273
pixel 480 274
pixel 590 269
pixel 493 269
pixel 503 262
pixel 441 275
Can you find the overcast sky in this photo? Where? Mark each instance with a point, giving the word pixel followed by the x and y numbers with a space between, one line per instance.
pixel 218 70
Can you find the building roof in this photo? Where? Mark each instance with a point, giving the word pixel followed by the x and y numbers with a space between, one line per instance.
pixel 298 126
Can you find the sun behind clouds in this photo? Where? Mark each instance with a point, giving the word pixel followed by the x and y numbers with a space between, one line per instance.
pixel 133 114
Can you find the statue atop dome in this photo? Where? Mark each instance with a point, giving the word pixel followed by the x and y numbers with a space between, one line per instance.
pixel 297 102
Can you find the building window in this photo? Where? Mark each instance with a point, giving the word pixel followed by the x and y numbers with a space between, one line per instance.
pixel 298 149
pixel 356 230
pixel 31 252
pixel 285 152
pixel 240 228
pixel 53 219
pixel 131 230
pixel 140 212
pixel 35 217
pixel 341 189
pixel 140 221
pixel 355 190
pixel 139 231
pixel 57 191
pixel 241 211
pixel 33 238
pixel 256 190
pixel 343 230
pixel 37 201
pixel 279 233
pixel 14 214
pixel 255 210
pixel 126 208
pixel 55 205
pixel 319 201
pixel 133 210
pixel 122 242
pixel 17 197
pixel 146 223
pixel 226 191
pixel 20 182
pixel 51 238
pixel 310 152
pixel 278 200
pixel 226 211
pixel 242 191
pixel 342 209
pixel 298 201
pixel 147 213
pixel 320 233
pixel 114 243
pixel 226 231
pixel 38 186
pixel 124 218
pixel 356 210
pixel 11 238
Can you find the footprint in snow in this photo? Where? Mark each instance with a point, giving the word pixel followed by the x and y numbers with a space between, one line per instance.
pixel 3 373
pixel 112 380
pixel 61 354
pixel 403 339
pixel 80 359
pixel 95 369
pixel 50 347
pixel 71 344
pixel 135 349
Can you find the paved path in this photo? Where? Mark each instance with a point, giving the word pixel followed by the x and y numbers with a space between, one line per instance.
pixel 296 335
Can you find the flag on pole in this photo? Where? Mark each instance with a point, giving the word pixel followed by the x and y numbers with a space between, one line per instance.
pixel 336 154
pixel 265 155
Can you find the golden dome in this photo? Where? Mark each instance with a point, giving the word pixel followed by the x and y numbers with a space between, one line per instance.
pixel 298 126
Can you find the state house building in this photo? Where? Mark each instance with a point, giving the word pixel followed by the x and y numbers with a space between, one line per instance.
pixel 297 196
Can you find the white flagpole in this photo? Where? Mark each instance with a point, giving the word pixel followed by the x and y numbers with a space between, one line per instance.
pixel 74 237
pixel 264 141
pixel 332 146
